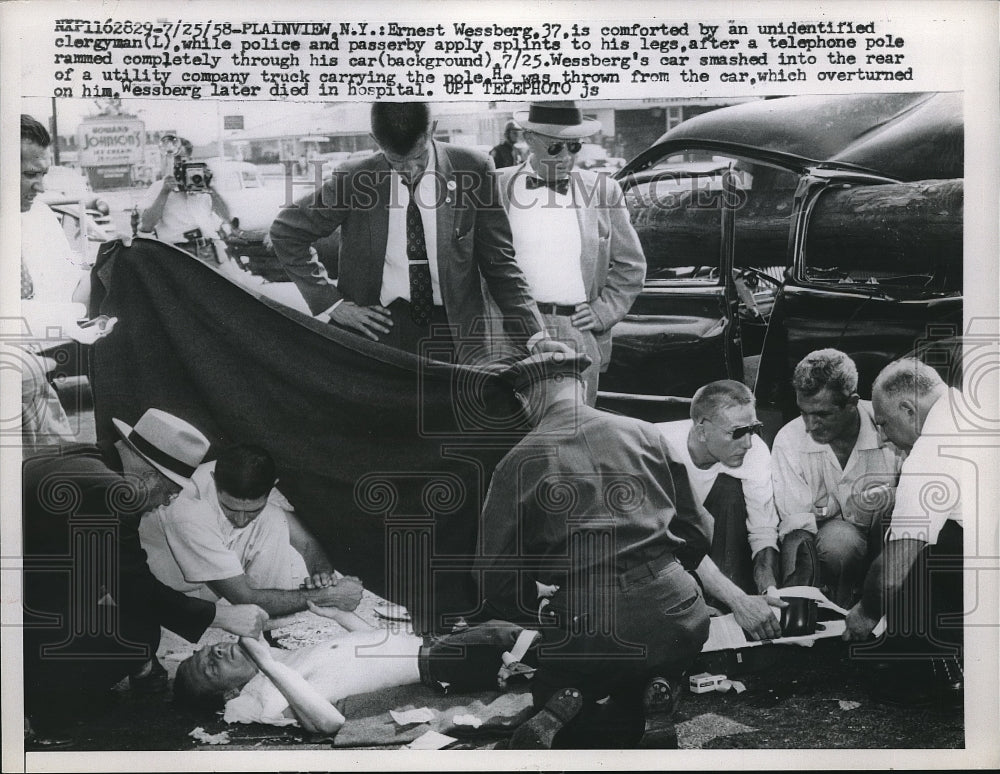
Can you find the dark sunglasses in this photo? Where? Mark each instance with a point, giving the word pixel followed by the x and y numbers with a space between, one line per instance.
pixel 736 433
pixel 555 148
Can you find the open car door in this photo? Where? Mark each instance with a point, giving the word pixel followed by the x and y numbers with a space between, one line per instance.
pixel 715 228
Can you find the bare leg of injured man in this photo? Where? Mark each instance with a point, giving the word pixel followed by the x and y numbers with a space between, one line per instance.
pixel 258 684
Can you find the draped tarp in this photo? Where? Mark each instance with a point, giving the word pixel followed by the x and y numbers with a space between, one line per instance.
pixel 385 456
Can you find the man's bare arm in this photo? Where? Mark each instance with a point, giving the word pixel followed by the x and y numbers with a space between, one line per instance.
pixel 752 613
pixel 313 711
pixel 344 593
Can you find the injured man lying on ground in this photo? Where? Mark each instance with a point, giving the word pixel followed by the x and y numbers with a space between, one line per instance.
pixel 259 684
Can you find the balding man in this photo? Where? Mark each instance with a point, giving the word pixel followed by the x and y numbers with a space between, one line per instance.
pixel 917 581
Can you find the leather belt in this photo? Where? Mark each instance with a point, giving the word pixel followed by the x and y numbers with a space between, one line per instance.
pixel 565 310
pixel 646 569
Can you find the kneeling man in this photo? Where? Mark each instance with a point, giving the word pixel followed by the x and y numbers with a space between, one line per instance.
pixel 234 536
pixel 834 477
pixel 729 469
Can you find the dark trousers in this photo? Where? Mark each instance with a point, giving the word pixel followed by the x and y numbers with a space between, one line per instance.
pixel 470 659
pixel 924 618
pixel 730 547
pixel 609 639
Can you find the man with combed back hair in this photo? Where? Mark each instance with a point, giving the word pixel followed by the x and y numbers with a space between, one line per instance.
pixel 234 536
pixel 834 479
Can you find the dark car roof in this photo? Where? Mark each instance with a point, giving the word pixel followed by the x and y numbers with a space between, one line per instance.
pixel 916 136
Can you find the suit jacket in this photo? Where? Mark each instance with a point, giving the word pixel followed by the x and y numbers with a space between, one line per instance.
pixel 613 264
pixel 473 242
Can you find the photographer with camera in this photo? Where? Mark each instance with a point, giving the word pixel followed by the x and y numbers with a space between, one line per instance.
pixel 183 209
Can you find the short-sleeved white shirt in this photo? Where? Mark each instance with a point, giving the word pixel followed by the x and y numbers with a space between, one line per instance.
pixel 192 542
pixel 930 483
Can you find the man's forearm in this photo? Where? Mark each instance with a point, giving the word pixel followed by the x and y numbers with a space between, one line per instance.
pixel 887 574
pixel 716 584
pixel 276 602
pixel 765 566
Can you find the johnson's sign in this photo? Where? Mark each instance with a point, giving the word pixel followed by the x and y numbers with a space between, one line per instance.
pixel 110 142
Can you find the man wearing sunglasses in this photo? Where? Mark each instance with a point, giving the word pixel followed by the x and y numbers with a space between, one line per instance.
pixel 572 235
pixel 834 478
pixel 729 470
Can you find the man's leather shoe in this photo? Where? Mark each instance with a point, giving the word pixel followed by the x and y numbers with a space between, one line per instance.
pixel 538 732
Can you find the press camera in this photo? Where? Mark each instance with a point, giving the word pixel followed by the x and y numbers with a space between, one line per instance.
pixel 191 176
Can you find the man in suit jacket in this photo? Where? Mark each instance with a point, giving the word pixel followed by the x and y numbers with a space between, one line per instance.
pixel 572 235
pixel 462 236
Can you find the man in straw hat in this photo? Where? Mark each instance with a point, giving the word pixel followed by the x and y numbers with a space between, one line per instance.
pixel 591 528
pixel 572 235
pixel 92 608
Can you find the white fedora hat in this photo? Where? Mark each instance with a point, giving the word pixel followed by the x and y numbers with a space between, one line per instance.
pixel 171 445
pixel 559 118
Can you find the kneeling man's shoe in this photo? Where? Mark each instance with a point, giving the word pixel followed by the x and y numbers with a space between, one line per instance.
pixel 538 732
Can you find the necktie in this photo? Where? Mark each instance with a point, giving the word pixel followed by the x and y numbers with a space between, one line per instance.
pixel 27 286
pixel 559 186
pixel 421 295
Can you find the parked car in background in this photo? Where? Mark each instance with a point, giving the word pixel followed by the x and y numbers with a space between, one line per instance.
pixel 777 227
pixel 241 186
pixel 595 157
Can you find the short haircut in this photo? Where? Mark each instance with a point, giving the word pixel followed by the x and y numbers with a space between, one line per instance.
pixel 186 145
pixel 398 125
pixel 826 368
pixel 716 396
pixel 187 693
pixel 908 377
pixel 245 471
pixel 33 131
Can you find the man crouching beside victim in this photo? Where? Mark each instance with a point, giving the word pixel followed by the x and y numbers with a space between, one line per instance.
pixel 259 684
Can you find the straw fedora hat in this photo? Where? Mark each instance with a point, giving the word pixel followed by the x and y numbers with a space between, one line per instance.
pixel 559 118
pixel 171 445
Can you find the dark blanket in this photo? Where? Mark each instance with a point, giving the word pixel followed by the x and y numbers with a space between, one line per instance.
pixel 385 456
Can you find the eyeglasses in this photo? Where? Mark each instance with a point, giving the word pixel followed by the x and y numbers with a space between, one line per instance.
pixel 736 433
pixel 572 146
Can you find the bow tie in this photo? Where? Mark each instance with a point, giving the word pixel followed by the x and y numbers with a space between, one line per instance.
pixel 559 186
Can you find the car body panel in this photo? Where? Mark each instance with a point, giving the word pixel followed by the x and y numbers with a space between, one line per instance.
pixel 910 136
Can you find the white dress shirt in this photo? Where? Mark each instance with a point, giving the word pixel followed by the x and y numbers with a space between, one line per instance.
pixel 930 483
pixel 811 487
pixel 547 242
pixel 396 274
